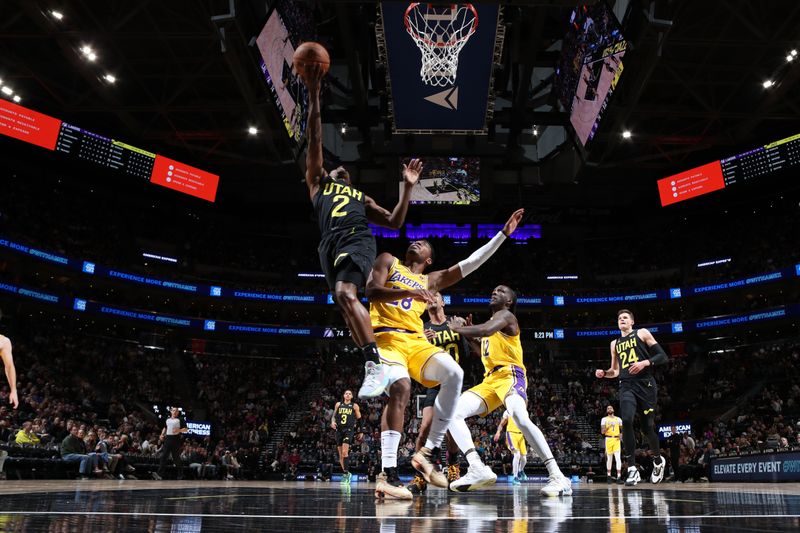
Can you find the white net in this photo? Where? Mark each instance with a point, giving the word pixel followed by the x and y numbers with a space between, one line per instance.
pixel 440 32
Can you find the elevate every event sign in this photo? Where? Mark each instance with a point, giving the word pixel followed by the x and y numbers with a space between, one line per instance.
pixel 762 467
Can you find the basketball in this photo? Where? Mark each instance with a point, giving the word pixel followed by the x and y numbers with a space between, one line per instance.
pixel 309 53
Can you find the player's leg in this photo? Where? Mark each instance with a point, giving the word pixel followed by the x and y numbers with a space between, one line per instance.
pixel 523 460
pixel 418 484
pixel 349 277
pixel 389 484
pixel 441 368
pixel 627 407
pixel 648 397
pixel 558 485
pixel 618 459
pixel 346 461
pixel 453 463
pixel 515 466
pixel 471 403
pixel 609 459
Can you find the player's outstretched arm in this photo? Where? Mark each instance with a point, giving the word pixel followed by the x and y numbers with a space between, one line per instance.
pixel 10 369
pixel 499 321
pixel 444 278
pixel 376 291
pixel 314 160
pixel 394 219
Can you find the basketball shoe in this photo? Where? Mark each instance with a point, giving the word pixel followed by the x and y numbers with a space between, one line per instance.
pixel 422 462
pixel 389 486
pixel 376 380
pixel 478 476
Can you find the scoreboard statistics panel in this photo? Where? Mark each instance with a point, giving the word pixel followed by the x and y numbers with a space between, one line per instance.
pixel 716 175
pixel 76 142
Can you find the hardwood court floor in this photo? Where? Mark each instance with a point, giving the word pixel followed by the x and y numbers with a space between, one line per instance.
pixel 305 507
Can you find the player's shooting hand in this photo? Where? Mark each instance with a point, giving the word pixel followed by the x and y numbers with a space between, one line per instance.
pixel 430 335
pixel 312 77
pixel 423 295
pixel 599 373
pixel 637 367
pixel 412 171
pixel 513 222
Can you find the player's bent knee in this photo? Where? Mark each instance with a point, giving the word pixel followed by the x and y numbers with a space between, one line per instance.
pixel 400 391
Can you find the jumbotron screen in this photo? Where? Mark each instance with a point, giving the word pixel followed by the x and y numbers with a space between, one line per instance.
pixel 51 133
pixel 723 173
pixel 590 66
pixel 447 180
pixel 276 49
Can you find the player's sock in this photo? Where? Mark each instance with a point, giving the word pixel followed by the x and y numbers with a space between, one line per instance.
pixel 523 460
pixel 390 442
pixel 370 351
pixel 346 462
pixel 515 464
pixel 452 459
pixel 473 458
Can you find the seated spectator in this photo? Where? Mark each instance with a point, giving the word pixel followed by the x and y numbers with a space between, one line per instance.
pixel 73 449
pixel 26 436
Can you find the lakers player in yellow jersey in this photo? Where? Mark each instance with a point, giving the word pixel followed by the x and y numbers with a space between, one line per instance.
pixel 399 292
pixel 611 428
pixel 515 442
pixel 504 383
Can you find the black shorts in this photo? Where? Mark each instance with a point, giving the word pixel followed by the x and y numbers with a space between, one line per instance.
pixel 347 255
pixel 430 397
pixel 344 436
pixel 643 392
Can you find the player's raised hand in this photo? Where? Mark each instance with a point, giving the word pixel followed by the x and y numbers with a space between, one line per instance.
pixel 599 373
pixel 513 222
pixel 430 335
pixel 312 77
pixel 458 321
pixel 411 172
pixel 468 321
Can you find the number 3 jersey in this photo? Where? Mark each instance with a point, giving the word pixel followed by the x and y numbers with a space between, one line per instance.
pixel 402 314
pixel 631 349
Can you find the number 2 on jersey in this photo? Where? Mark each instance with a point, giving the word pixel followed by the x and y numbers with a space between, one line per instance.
pixel 627 359
pixel 340 200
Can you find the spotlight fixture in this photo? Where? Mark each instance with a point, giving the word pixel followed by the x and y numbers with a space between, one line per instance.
pixel 7 90
pixel 535 131
pixel 58 15
pixel 110 78
pixel 252 130
pixel 626 134
pixel 767 84
pixel 344 129
pixel 17 98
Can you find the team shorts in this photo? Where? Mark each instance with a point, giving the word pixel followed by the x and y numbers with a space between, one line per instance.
pixel 500 383
pixel 643 392
pixel 515 441
pixel 408 352
pixel 344 436
pixel 613 445
pixel 347 255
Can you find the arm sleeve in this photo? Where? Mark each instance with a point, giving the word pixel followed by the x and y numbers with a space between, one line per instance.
pixel 657 355
pixel 481 255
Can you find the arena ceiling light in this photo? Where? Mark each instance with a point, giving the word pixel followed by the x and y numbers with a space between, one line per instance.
pixel 767 84
pixel 17 98
pixel 88 53
pixel 535 131
pixel 252 130
pixel 626 134
pixel 8 91
pixel 789 58
pixel 110 78
pixel 58 15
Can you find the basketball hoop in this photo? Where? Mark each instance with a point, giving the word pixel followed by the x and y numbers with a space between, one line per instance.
pixel 440 32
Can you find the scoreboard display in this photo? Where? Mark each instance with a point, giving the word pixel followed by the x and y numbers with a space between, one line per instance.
pixel 716 175
pixel 78 143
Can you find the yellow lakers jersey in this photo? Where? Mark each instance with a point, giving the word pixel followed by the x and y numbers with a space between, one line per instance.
pixel 500 349
pixel 512 426
pixel 613 425
pixel 402 314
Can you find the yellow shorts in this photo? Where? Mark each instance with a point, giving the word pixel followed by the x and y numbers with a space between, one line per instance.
pixel 496 386
pixel 412 351
pixel 612 445
pixel 516 442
